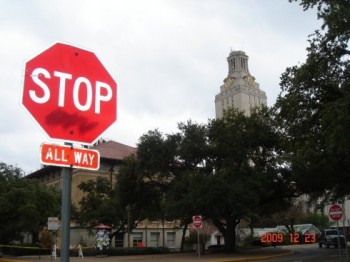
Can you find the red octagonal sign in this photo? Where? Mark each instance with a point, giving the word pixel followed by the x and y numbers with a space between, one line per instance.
pixel 197 221
pixel 335 212
pixel 70 94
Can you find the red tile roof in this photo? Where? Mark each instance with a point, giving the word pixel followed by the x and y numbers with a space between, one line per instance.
pixel 114 150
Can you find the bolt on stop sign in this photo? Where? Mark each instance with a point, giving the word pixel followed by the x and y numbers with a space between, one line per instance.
pixel 70 94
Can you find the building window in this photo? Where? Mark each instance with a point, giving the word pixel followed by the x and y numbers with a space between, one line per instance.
pixel 119 240
pixel 170 237
pixel 154 239
pixel 218 240
pixel 137 239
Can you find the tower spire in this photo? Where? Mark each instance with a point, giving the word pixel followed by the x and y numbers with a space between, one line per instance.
pixel 239 89
pixel 237 64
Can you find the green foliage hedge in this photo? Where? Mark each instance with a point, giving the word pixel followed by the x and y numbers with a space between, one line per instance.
pixel 115 251
pixel 21 250
pixel 24 250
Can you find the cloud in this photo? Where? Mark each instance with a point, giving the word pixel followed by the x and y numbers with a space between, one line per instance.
pixel 167 57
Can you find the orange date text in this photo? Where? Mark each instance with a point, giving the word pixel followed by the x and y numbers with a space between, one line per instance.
pixel 293 238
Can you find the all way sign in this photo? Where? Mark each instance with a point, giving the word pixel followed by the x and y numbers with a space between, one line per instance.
pixel 67 156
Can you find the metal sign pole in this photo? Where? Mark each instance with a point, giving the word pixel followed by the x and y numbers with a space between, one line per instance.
pixel 65 212
pixel 338 241
pixel 345 233
pixel 198 247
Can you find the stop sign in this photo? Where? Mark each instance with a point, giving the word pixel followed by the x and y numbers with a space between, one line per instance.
pixel 335 212
pixel 197 221
pixel 70 94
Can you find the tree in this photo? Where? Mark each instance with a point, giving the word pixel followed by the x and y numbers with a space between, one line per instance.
pixel 156 180
pixel 25 204
pixel 162 171
pixel 101 204
pixel 291 216
pixel 224 170
pixel 191 153
pixel 146 176
pixel 312 110
pixel 245 173
pixel 319 220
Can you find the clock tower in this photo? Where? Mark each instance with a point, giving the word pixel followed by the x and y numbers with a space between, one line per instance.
pixel 239 89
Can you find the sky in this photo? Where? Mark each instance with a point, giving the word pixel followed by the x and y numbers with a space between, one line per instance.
pixel 168 58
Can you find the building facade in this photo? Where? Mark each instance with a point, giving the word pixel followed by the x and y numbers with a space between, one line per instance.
pixel 149 233
pixel 239 89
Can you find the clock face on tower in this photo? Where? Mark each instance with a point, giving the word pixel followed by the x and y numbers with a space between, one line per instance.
pixel 251 80
pixel 228 81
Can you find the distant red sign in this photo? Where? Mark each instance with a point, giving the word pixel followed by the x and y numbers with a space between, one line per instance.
pixel 66 156
pixel 335 212
pixel 70 94
pixel 197 221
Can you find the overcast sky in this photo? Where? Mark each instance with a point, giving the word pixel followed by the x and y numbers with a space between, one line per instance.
pixel 168 57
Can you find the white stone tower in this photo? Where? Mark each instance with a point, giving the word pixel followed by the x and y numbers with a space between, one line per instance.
pixel 239 89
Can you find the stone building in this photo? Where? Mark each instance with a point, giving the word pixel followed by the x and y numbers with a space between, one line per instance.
pixel 149 233
pixel 239 90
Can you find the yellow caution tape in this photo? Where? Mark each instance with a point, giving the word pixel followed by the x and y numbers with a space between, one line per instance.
pixel 37 247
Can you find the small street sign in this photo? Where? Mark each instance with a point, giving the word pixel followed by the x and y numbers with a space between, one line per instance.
pixel 335 212
pixel 197 222
pixel 67 156
pixel 52 223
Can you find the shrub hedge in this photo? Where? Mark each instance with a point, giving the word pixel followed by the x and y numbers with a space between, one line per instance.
pixel 34 250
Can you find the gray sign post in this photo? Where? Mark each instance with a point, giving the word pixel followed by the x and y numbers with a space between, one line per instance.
pixel 65 212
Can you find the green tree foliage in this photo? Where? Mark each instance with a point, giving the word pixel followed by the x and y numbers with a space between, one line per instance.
pixel 319 220
pixel 190 163
pixel 225 170
pixel 138 191
pixel 156 181
pixel 246 178
pixel 313 109
pixel 101 205
pixel 25 204
pixel 143 179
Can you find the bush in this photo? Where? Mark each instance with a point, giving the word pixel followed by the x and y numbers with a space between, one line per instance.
pixel 120 251
pixel 216 248
pixel 34 250
pixel 254 241
pixel 137 251
pixel 25 250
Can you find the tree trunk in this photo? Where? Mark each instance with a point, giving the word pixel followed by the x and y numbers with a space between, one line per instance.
pixel 230 236
pixel 183 237
pixel 290 227
pixel 35 236
pixel 251 230
pixel 228 230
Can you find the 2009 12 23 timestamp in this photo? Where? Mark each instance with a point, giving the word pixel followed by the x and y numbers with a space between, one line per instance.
pixel 293 238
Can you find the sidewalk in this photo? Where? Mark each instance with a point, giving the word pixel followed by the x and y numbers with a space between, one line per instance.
pixel 242 255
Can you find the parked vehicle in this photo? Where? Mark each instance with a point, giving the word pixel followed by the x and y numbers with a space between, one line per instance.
pixel 330 237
